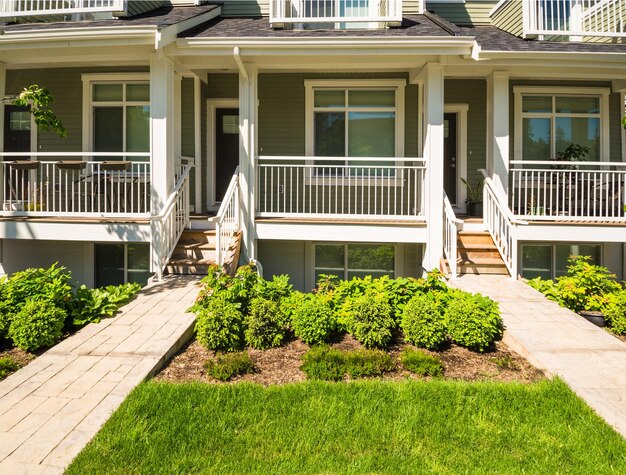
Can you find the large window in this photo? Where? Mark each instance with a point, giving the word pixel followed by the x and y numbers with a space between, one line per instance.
pixel 549 261
pixel 354 260
pixel 120 263
pixel 547 123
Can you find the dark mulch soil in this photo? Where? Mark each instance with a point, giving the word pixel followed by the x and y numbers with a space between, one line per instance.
pixel 21 357
pixel 282 365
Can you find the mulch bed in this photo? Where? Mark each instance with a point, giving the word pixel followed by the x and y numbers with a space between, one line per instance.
pixel 21 357
pixel 282 365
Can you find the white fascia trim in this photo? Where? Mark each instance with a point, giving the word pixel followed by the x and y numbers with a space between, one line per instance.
pixel 65 34
pixel 169 34
pixel 497 7
pixel 562 90
pixel 553 55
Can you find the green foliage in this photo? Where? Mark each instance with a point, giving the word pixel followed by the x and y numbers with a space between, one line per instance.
pixel 369 319
pixel 474 194
pixel 91 305
pixel 276 289
pixel 265 324
pixel 38 100
pixel 7 366
pixel 219 325
pixel 505 362
pixel 6 315
pixel 324 363
pixel 423 323
pixel 615 312
pixel 39 323
pixel 572 153
pixel 225 367
pixel 421 363
pixel 51 284
pixel 312 318
pixel 473 321
pixel 367 363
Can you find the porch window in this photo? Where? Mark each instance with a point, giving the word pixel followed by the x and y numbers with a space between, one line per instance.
pixel 354 260
pixel 549 261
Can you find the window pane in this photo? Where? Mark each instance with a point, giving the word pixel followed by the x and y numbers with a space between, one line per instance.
pixel 578 105
pixel 536 262
pixel 138 129
pixel 330 134
pixel 536 139
pixel 109 264
pixel 19 120
pixel 330 98
pixel 107 92
pixel 329 259
pixel 581 131
pixel 138 92
pixel 230 124
pixel 564 251
pixel 370 259
pixel 108 129
pixel 139 263
pixel 537 103
pixel 372 98
pixel 371 134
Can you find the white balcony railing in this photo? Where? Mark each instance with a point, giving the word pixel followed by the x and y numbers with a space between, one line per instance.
pixel 332 187
pixel 15 8
pixel 575 18
pixel 227 220
pixel 568 191
pixel 73 184
pixel 335 11
pixel 451 226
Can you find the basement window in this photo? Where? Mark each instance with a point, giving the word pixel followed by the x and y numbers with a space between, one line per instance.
pixel 117 264
pixel 347 261
pixel 549 261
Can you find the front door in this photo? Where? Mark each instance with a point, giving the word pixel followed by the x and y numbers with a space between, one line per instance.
pixel 449 156
pixel 226 149
pixel 17 125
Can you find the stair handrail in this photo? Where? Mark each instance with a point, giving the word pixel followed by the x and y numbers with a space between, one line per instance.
pixel 500 223
pixel 227 219
pixel 173 219
pixel 450 235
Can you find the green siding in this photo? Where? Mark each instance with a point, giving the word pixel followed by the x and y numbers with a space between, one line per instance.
pixel 509 18
pixel 469 13
pixel 136 7
pixel 223 86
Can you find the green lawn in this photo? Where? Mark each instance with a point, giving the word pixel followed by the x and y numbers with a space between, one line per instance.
pixel 364 427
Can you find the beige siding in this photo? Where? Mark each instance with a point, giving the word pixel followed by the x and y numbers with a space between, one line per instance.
pixel 411 7
pixel 509 18
pixel 469 13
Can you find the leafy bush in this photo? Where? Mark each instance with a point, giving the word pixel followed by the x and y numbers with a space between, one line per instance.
pixel 225 367
pixel 238 289
pixel 473 321
pixel 219 325
pixel 506 362
pixel 423 323
pixel 51 284
pixel 276 289
pixel 312 319
pixel 39 323
pixel 367 363
pixel 7 366
pixel 421 363
pixel 6 315
pixel 369 319
pixel 324 363
pixel 90 305
pixel 265 324
pixel 615 312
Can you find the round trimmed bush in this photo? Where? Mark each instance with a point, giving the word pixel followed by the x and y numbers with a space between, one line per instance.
pixel 313 320
pixel 369 319
pixel 219 325
pixel 473 321
pixel 423 323
pixel 39 323
pixel 265 324
pixel 615 312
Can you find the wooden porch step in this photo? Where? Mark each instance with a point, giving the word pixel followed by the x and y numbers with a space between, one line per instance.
pixel 478 254
pixel 189 266
pixel 480 269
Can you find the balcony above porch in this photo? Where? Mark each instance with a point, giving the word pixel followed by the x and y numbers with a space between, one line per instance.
pixel 30 8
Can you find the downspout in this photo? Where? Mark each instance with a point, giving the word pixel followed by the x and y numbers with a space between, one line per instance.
pixel 242 68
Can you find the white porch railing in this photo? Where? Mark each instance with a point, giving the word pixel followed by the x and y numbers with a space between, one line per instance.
pixel 335 11
pixel 227 219
pixel 74 185
pixel 13 8
pixel 450 235
pixel 501 224
pixel 578 18
pixel 578 191
pixel 336 187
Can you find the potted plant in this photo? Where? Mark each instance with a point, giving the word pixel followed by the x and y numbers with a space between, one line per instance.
pixel 474 199
pixel 572 153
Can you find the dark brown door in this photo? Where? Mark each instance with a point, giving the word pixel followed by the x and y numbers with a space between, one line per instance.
pixel 16 130
pixel 226 148
pixel 449 156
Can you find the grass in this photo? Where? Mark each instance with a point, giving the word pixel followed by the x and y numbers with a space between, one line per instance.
pixel 421 363
pixel 7 366
pixel 371 427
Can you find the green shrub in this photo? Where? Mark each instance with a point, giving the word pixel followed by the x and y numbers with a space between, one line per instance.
pixel 505 362
pixel 421 363
pixel 423 323
pixel 615 312
pixel 6 315
pixel 324 363
pixel 473 321
pixel 313 320
pixel 276 289
pixel 369 319
pixel 39 323
pixel 367 363
pixel 219 325
pixel 91 305
pixel 51 284
pixel 265 324
pixel 7 366
pixel 225 367
pixel 237 289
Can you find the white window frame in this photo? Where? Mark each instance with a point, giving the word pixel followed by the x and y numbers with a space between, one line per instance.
pixel 125 245
pixel 602 93
pixel 89 80
pixel 553 246
pixel 398 255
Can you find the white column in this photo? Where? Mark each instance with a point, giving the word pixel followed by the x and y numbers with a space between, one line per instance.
pixel 576 19
pixel 178 114
pixel 197 121
pixel 3 82
pixel 248 107
pixel 498 129
pixel 162 144
pixel 433 153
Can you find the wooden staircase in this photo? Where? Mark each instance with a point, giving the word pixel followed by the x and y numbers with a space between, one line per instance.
pixel 477 254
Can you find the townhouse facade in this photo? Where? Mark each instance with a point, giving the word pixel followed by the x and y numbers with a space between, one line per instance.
pixel 346 137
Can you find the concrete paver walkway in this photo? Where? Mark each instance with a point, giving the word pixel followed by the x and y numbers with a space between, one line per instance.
pixel 590 360
pixel 51 409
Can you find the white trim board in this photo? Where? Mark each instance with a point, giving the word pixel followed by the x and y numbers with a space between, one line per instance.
pixel 461 111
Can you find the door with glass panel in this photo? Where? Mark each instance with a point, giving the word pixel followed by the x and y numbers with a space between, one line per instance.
pixel 226 149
